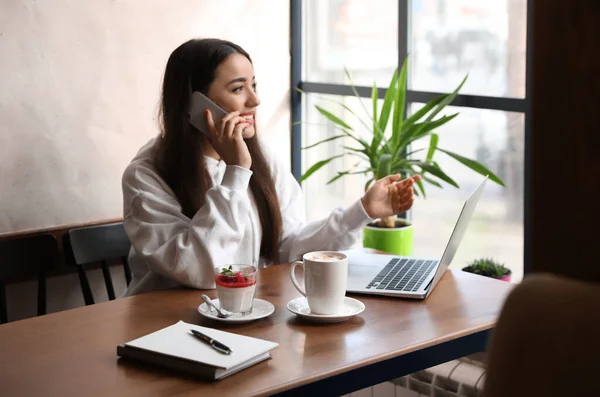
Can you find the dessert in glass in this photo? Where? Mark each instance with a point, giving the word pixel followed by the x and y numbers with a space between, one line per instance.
pixel 235 287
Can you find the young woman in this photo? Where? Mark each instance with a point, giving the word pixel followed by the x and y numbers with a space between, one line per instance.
pixel 193 202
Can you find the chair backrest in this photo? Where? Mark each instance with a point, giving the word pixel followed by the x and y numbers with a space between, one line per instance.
pixel 547 340
pixel 94 244
pixel 24 256
pixel 99 243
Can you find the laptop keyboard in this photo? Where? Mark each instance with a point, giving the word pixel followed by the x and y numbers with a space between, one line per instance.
pixel 403 274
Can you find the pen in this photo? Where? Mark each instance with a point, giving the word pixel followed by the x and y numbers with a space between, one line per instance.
pixel 218 346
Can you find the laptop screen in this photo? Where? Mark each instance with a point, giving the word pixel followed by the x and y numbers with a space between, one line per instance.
pixel 457 233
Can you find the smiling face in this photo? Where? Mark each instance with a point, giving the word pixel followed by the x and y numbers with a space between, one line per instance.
pixel 234 89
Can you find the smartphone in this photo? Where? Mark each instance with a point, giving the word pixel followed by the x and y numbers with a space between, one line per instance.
pixel 198 105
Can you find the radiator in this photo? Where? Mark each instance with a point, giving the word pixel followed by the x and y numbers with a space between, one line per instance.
pixel 457 378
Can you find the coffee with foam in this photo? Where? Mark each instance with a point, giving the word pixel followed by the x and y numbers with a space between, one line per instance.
pixel 325 256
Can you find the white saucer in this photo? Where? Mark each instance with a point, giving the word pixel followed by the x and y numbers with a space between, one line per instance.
pixel 352 307
pixel 260 309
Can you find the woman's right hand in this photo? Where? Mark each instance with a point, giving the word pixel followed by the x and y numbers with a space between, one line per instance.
pixel 227 139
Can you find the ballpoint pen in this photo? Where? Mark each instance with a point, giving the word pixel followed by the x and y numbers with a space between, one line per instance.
pixel 218 346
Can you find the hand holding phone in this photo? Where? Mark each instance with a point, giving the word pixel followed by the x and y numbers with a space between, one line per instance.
pixel 224 130
pixel 198 107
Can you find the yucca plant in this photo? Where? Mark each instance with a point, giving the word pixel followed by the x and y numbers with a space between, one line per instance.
pixel 390 153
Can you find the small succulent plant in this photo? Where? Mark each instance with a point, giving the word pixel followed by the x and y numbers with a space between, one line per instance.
pixel 487 267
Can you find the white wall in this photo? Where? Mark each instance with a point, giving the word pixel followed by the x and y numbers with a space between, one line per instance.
pixel 80 86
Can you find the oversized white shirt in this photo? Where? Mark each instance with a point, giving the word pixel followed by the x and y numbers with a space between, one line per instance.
pixel 169 249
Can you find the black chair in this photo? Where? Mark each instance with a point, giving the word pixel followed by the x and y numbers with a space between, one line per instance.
pixel 95 244
pixel 26 256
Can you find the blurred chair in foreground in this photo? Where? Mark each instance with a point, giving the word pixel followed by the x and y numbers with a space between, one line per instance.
pixel 547 340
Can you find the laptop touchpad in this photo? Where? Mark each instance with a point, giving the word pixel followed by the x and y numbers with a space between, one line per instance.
pixel 361 271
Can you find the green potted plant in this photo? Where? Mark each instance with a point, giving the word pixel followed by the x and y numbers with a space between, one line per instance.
pixel 389 152
pixel 490 268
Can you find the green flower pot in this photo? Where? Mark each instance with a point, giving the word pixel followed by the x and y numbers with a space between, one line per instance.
pixel 397 240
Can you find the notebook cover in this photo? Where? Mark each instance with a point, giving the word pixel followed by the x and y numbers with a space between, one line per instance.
pixel 175 347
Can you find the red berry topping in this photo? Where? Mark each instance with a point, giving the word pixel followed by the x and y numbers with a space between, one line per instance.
pixel 235 280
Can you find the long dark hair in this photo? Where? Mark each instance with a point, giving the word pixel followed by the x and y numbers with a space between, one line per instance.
pixel 180 157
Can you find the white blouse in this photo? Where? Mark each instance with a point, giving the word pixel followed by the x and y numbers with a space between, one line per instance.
pixel 170 249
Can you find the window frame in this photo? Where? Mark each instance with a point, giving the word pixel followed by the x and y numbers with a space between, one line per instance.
pixel 517 105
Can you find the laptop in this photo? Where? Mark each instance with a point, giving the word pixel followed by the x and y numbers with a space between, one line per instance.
pixel 407 277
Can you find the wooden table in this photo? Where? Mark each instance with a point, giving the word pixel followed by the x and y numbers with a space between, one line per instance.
pixel 73 353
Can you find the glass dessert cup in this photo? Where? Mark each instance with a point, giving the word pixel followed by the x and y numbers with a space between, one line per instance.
pixel 236 285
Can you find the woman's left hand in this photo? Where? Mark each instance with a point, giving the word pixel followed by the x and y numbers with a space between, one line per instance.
pixel 389 197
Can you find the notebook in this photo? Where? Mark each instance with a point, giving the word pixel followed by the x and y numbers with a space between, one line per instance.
pixel 175 348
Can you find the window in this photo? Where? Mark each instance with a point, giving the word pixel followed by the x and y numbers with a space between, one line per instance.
pixel 486 39
pixel 495 139
pixel 445 40
pixel 358 35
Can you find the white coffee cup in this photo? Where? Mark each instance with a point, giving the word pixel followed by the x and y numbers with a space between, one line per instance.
pixel 325 278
